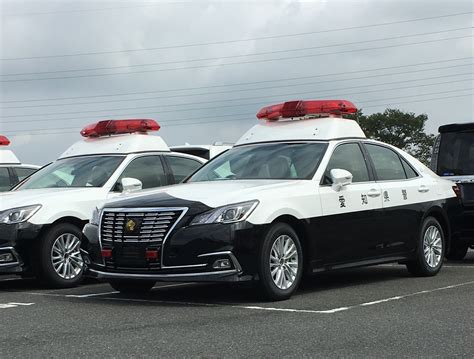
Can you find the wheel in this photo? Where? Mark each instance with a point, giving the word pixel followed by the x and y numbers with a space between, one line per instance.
pixel 430 252
pixel 281 262
pixel 131 286
pixel 457 251
pixel 60 264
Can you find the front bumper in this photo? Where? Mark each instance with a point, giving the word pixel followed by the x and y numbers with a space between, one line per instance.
pixel 190 253
pixel 16 243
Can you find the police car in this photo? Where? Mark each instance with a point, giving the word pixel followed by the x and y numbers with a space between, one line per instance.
pixel 12 170
pixel 453 159
pixel 302 191
pixel 42 218
pixel 205 151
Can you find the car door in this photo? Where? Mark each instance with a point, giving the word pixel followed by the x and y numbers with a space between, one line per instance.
pixel 348 228
pixel 148 169
pixel 402 188
pixel 181 167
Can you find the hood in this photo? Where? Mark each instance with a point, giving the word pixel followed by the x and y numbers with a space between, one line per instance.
pixel 45 196
pixel 212 194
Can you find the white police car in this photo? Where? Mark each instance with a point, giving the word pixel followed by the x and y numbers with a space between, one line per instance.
pixel 42 218
pixel 12 170
pixel 303 190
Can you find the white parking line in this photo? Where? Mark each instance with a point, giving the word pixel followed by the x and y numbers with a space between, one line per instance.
pixel 14 305
pixel 291 310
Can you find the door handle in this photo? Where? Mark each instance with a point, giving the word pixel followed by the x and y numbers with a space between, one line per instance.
pixel 374 192
pixel 423 189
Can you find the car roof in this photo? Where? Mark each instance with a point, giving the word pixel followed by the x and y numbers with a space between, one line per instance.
pixel 322 128
pixel 457 127
pixel 117 144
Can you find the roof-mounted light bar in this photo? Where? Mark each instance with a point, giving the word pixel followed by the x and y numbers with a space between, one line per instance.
pixel 115 127
pixel 300 108
pixel 4 141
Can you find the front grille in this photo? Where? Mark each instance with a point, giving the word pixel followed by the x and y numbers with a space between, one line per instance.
pixel 143 227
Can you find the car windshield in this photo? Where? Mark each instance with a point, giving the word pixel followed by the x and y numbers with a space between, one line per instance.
pixel 456 154
pixel 85 171
pixel 264 161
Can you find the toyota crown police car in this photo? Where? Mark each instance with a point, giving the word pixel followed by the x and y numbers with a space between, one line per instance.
pixel 42 218
pixel 12 170
pixel 453 159
pixel 303 190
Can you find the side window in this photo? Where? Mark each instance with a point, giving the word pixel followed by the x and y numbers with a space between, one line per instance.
pixel 148 169
pixel 5 184
pixel 23 172
pixel 386 162
pixel 182 167
pixel 409 171
pixel 348 157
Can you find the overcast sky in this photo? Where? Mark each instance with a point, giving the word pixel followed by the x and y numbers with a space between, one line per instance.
pixel 203 69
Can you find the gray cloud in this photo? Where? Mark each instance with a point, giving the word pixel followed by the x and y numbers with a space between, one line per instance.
pixel 70 28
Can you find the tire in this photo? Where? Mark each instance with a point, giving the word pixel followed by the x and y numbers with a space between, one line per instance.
pixel 60 264
pixel 430 250
pixel 131 286
pixel 286 273
pixel 457 251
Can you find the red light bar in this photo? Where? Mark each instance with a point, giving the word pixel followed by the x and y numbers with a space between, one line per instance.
pixel 4 141
pixel 302 108
pixel 115 127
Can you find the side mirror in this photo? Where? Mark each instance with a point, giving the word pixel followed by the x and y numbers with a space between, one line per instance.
pixel 340 178
pixel 130 185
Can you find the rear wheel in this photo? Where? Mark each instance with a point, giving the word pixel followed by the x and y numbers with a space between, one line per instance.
pixel 429 257
pixel 457 251
pixel 60 262
pixel 281 262
pixel 131 286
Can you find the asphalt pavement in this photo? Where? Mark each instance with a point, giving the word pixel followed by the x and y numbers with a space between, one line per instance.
pixel 378 311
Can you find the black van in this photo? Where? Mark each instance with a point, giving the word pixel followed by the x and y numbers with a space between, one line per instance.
pixel 453 158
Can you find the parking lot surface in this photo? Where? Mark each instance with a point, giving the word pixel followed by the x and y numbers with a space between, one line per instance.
pixel 376 311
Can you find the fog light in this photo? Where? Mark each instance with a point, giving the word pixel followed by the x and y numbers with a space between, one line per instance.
pixel 221 264
pixel 106 253
pixel 6 257
pixel 151 254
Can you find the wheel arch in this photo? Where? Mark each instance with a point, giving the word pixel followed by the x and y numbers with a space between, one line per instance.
pixel 442 217
pixel 79 223
pixel 301 229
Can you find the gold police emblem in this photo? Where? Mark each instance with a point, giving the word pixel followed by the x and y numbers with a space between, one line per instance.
pixel 130 225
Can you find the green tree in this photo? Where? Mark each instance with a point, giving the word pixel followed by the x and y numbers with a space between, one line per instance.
pixel 404 130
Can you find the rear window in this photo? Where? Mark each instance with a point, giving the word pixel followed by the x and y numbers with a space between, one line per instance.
pixel 456 154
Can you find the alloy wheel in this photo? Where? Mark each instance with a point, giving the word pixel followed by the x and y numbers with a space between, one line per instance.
pixel 66 256
pixel 284 262
pixel 432 246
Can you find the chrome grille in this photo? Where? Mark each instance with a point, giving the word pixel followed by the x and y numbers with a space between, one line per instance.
pixel 153 226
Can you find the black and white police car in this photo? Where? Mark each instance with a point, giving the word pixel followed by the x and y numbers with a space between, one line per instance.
pixel 303 190
pixel 453 159
pixel 12 170
pixel 42 218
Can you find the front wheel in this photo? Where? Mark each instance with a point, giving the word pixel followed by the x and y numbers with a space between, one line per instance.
pixel 60 261
pixel 281 262
pixel 430 252
pixel 131 286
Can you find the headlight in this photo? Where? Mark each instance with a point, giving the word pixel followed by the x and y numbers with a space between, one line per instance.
pixel 96 216
pixel 18 215
pixel 227 214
